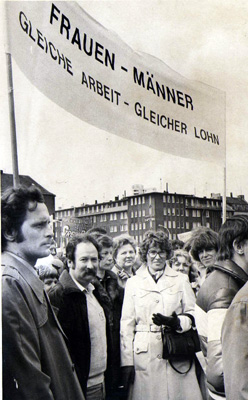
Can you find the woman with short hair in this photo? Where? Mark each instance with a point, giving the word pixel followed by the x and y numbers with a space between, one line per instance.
pixel 156 296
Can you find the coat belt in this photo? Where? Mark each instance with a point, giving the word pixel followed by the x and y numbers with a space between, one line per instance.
pixel 147 328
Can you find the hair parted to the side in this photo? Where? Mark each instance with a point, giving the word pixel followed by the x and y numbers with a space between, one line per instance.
pixel 234 228
pixel 123 240
pixel 156 239
pixel 81 238
pixel 15 202
pixel 203 239
pixel 104 240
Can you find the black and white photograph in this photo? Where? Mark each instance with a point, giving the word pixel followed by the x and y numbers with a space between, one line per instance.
pixel 124 211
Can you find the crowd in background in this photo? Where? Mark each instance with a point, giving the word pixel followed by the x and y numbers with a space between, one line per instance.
pixel 111 300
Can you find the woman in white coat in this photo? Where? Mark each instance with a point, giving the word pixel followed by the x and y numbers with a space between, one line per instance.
pixel 156 289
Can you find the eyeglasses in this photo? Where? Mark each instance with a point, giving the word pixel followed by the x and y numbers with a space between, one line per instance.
pixel 154 253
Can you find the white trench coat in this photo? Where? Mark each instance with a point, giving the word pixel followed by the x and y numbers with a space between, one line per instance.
pixel 141 343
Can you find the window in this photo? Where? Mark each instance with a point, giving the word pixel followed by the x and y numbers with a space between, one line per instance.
pixel 208 225
pixel 194 213
pixel 168 199
pixel 139 213
pixel 169 224
pixel 144 225
pixel 192 202
pixel 165 211
pixel 136 226
pixel 173 199
pixel 113 228
pixel 94 219
pixel 123 228
pixel 123 215
pixel 178 211
pixel 207 214
pixel 132 227
pixel 174 224
pixel 139 200
pixel 165 224
pixel 168 211
pixel 173 211
pixel 187 213
pixel 164 199
pixel 135 201
pixel 143 213
pixel 136 214
pixel 178 224
pixel 187 225
pixel 182 224
pixel 132 201
pixel 140 225
pixel 132 214
pixel 143 199
pixel 198 213
pixel 182 212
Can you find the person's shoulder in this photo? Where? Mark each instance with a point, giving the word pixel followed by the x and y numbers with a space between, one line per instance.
pixel 242 295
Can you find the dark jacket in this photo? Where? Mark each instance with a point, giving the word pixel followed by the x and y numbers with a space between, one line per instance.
pixel 109 287
pixel 213 300
pixel 235 349
pixel 36 362
pixel 71 306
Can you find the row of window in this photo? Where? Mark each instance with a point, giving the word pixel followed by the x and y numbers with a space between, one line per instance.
pixel 113 216
pixel 138 226
pixel 137 200
pixel 182 225
pixel 172 199
pixel 114 228
pixel 140 213
pixel 180 211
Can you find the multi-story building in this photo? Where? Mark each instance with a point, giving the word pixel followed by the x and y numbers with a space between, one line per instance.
pixel 140 212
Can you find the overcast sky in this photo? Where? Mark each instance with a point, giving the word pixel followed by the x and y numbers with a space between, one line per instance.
pixel 202 40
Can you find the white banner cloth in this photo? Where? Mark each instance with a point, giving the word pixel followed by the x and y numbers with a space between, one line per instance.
pixel 90 72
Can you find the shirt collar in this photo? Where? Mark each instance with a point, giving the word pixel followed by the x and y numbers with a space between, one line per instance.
pixel 88 289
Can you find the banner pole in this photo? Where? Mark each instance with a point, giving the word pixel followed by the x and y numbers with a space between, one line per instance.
pixel 224 188
pixel 224 199
pixel 16 179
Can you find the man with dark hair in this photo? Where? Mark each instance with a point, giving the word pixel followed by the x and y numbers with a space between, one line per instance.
pixel 230 273
pixel 36 362
pixel 84 314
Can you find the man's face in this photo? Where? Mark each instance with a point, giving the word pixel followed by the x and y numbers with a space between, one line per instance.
pixel 36 235
pixel 84 268
pixel 245 249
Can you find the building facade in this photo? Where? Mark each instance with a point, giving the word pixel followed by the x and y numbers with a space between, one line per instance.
pixel 134 215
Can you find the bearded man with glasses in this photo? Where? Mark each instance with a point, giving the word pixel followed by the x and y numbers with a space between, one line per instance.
pixel 156 296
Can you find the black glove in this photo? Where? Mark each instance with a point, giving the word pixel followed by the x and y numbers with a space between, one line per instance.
pixel 127 377
pixel 172 322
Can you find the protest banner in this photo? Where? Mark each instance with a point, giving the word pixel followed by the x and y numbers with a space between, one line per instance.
pixel 93 74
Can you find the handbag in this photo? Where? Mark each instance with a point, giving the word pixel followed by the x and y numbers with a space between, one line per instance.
pixel 180 346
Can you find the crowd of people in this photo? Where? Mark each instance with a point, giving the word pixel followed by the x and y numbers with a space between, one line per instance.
pixel 91 324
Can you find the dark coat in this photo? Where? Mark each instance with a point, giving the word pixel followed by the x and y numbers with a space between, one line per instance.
pixel 36 362
pixel 213 301
pixel 72 313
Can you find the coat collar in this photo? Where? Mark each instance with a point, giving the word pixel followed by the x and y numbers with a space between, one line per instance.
pixel 148 283
pixel 67 282
pixel 26 271
pixel 231 268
